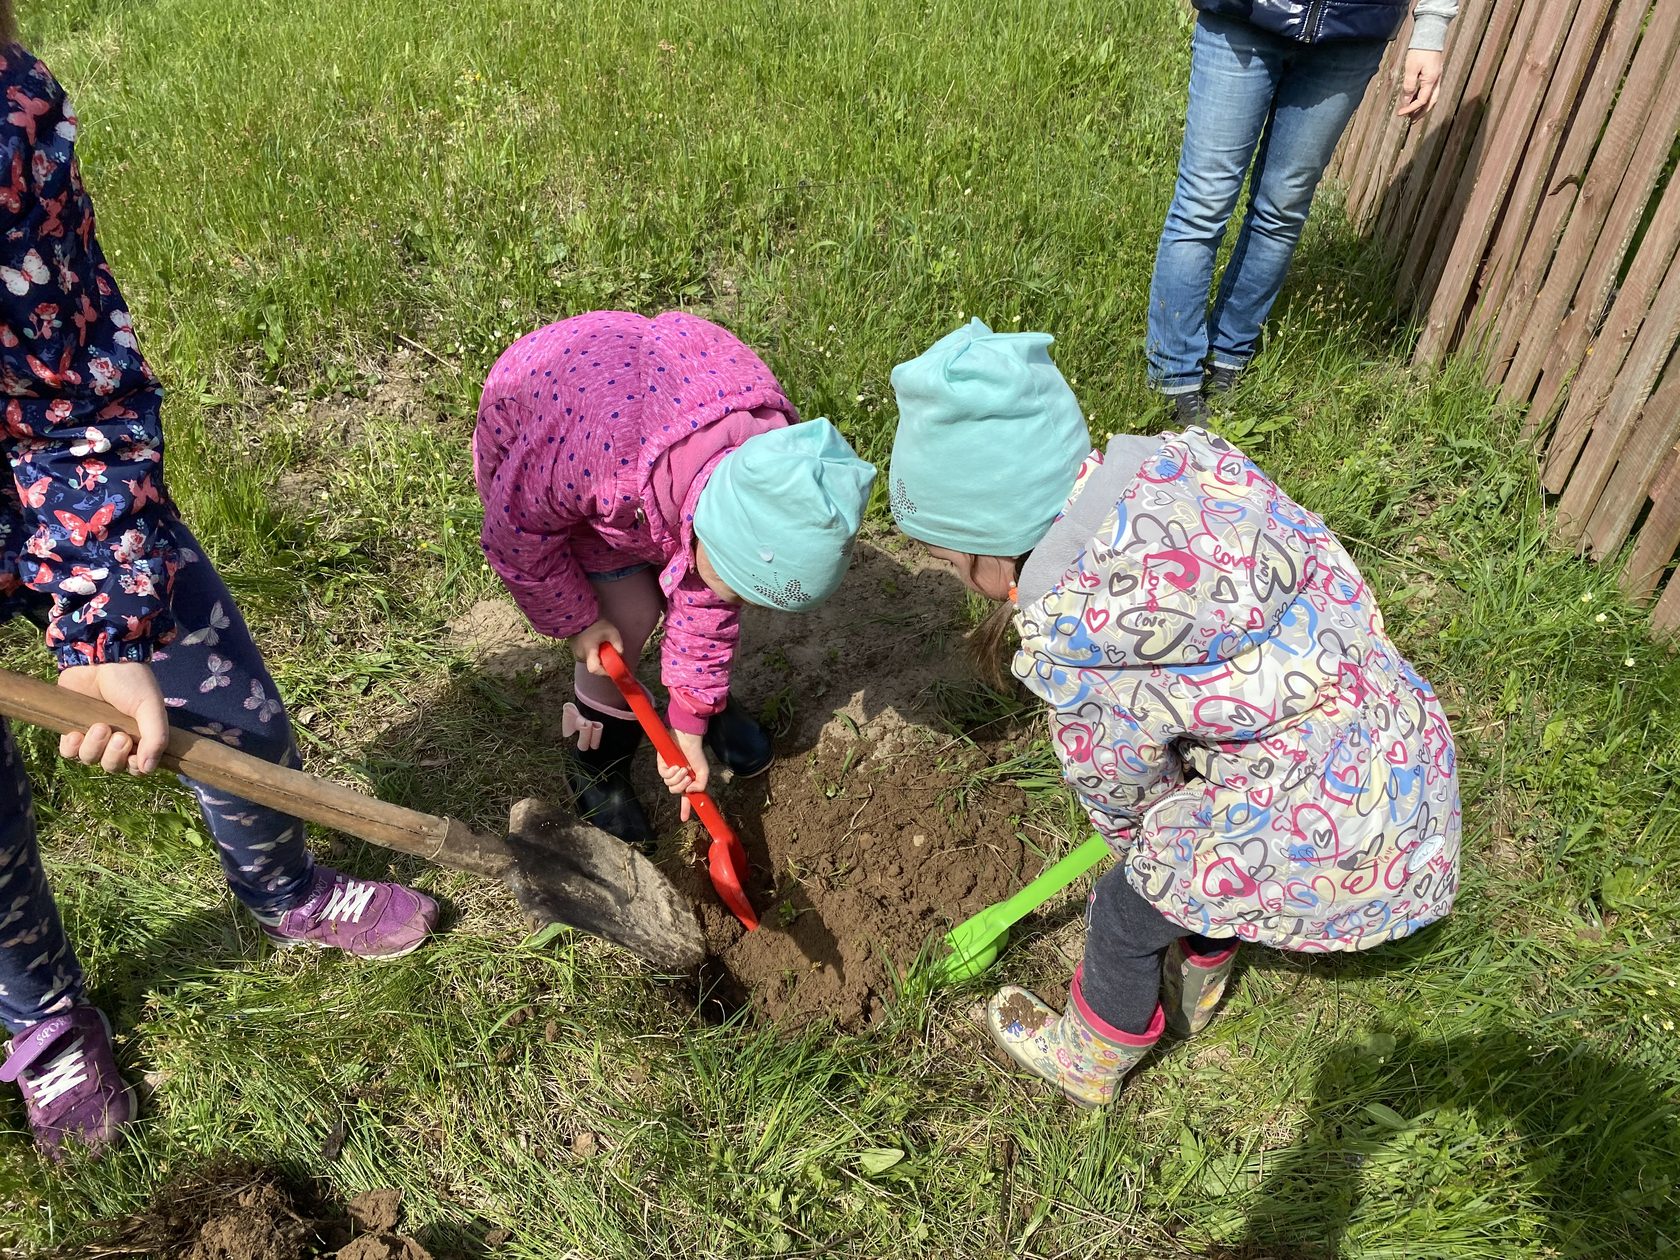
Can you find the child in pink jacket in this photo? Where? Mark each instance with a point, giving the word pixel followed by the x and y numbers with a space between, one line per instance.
pixel 633 469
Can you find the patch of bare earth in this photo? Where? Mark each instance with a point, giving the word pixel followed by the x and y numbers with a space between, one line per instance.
pixel 871 834
pixel 237 1211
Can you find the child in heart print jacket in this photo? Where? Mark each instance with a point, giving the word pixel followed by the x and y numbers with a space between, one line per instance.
pixel 1223 696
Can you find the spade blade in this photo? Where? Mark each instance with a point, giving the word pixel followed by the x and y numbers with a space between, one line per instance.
pixel 565 871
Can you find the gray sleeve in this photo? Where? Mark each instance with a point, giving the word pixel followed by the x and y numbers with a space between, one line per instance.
pixel 1430 20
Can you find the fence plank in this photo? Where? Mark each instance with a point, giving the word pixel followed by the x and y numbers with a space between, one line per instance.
pixel 1659 536
pixel 1604 361
pixel 1508 75
pixel 1385 133
pixel 1638 446
pixel 1606 212
pixel 1603 79
pixel 1426 140
pixel 1665 618
pixel 1557 111
pixel 1443 192
pixel 1507 150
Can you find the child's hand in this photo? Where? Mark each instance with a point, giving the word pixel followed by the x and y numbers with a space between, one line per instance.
pixel 682 780
pixel 131 689
pixel 586 645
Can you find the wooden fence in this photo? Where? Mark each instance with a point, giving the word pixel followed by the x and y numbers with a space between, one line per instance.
pixel 1534 216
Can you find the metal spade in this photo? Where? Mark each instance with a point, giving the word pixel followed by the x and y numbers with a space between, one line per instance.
pixel 559 869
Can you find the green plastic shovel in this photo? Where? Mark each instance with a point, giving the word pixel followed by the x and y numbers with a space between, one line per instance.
pixel 976 942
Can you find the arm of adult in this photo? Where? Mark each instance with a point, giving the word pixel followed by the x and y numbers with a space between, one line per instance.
pixel 1420 80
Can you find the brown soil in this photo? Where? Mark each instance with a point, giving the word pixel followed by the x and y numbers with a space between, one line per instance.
pixel 240 1212
pixel 870 835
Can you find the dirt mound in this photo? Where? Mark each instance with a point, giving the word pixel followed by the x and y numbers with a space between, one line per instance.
pixel 862 861
pixel 877 827
pixel 241 1212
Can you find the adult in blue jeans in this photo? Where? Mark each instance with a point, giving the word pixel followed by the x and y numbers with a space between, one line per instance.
pixel 1272 84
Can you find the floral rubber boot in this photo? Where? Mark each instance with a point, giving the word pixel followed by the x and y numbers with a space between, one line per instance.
pixel 1192 985
pixel 72 1091
pixel 1077 1052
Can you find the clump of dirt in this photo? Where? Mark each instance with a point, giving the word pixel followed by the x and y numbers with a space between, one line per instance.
pixel 237 1211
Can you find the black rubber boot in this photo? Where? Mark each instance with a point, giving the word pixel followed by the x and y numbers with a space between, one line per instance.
pixel 736 739
pixel 600 780
pixel 1221 380
pixel 1189 409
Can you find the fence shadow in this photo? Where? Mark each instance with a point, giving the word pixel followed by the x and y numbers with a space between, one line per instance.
pixel 1600 1141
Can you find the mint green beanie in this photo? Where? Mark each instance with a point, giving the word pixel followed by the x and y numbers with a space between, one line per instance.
pixel 990 439
pixel 779 514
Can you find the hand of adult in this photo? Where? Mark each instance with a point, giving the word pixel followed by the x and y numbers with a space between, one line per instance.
pixel 1420 82
pixel 131 689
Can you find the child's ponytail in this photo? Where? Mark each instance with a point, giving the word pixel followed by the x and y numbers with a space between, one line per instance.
pixel 989 647
pixel 989 643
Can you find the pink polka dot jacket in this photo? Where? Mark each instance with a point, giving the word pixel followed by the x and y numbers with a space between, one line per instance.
pixel 595 437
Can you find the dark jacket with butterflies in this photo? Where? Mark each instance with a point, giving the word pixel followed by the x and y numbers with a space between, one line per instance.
pixel 1232 714
pixel 86 539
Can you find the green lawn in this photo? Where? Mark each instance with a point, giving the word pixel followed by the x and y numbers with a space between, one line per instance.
pixel 329 216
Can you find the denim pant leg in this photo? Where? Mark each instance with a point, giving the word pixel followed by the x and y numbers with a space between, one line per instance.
pixel 215 683
pixel 39 973
pixel 1235 69
pixel 1126 939
pixel 1321 88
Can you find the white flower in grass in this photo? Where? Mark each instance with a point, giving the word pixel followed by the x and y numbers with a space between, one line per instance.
pixel 1586 597
pixel 1602 618
pixel 1629 662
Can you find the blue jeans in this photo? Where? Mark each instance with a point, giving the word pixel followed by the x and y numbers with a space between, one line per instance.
pixel 1258 97
pixel 214 682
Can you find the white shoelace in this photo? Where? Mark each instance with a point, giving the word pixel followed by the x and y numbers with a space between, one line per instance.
pixel 60 1076
pixel 349 901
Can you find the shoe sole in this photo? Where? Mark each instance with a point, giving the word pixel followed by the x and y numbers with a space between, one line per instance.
pixel 286 942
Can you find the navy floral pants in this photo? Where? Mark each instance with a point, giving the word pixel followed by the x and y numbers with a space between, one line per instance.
pixel 214 683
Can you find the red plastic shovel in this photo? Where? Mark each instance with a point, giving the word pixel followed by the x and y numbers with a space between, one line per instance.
pixel 726 860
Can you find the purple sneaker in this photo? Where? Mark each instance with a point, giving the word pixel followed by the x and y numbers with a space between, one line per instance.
pixel 366 918
pixel 68 1074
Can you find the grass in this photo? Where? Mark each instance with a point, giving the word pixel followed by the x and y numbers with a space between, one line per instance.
pixel 330 216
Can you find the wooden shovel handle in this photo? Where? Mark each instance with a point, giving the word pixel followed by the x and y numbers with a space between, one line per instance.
pixel 211 762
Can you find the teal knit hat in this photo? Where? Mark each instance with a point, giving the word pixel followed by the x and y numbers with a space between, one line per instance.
pixel 990 439
pixel 780 512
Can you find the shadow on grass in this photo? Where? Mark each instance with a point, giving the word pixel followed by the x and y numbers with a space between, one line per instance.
pixel 1600 1141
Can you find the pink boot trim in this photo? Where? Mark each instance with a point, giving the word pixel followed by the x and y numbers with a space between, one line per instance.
pixel 1207 962
pixel 1106 1030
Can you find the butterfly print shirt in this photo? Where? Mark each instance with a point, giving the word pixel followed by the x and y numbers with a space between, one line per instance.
pixel 85 524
